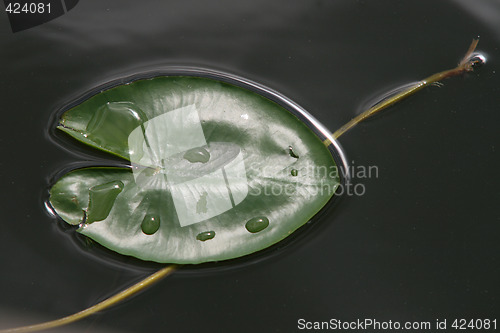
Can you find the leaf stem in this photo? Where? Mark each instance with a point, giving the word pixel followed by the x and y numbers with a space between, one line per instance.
pixel 123 295
pixel 466 65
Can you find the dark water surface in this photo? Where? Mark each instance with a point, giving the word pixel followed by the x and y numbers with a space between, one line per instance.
pixel 421 244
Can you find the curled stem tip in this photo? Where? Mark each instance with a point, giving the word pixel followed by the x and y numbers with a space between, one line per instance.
pixel 467 64
pixel 123 295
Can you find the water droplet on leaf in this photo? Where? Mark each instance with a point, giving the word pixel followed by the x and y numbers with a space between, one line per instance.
pixel 112 123
pixel 292 153
pixel 101 200
pixel 257 224
pixel 198 154
pixel 150 224
pixel 294 172
pixel 206 235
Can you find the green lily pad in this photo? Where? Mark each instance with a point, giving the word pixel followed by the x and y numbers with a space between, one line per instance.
pixel 216 171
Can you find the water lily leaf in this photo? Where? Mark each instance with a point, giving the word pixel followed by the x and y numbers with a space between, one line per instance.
pixel 216 171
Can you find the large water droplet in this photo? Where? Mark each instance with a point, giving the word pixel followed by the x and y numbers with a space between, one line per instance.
pixel 257 224
pixel 206 235
pixel 112 123
pixel 101 200
pixel 198 154
pixel 150 224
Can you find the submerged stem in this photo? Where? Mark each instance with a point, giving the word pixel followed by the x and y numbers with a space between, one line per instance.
pixel 466 65
pixel 123 295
